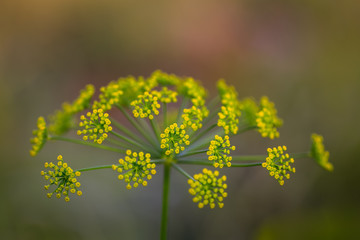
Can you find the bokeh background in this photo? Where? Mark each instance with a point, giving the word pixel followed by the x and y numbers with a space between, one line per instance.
pixel 304 55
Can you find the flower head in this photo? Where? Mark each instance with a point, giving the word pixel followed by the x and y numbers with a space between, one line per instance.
pixel 62 120
pixel 318 152
pixel 249 109
pixel 193 90
pixel 267 120
pixel 109 96
pixel 229 119
pixel 278 164
pixel 96 126
pixel 135 169
pixel 230 109
pixel 146 106
pixel 194 116
pixel 219 150
pixel 174 139
pixel 208 188
pixel 166 95
pixel 164 79
pixel 63 178
pixel 40 136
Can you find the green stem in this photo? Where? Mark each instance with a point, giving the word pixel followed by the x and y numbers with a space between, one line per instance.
pixel 132 142
pixel 158 161
pixel 136 125
pixel 125 130
pixel 182 171
pixel 208 163
pixel 184 102
pixel 205 131
pixel 249 158
pixel 94 168
pixel 156 130
pixel 104 147
pixel 165 201
pixel 245 129
pixel 192 153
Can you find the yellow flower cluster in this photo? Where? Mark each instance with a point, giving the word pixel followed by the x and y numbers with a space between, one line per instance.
pixel 165 95
pixel 228 119
pixel 109 96
pixel 63 177
pixel 174 139
pixel 145 106
pixel 318 152
pixel 40 137
pixel 248 108
pixel 219 150
pixel 96 127
pixel 208 188
pixel 193 117
pixel 164 79
pixel 267 120
pixel 278 164
pixel 230 109
pixel 135 169
pixel 62 120
pixel 192 89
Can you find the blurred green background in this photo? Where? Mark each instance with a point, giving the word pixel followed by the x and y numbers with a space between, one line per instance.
pixel 304 55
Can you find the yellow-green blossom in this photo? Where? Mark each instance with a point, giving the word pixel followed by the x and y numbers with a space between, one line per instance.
pixel 96 126
pixel 193 117
pixel 278 164
pixel 319 153
pixel 208 188
pixel 166 95
pixel 219 150
pixel 174 139
pixel 192 89
pixel 267 120
pixel 63 178
pixel 164 79
pixel 40 137
pixel 146 106
pixel 62 120
pixel 109 96
pixel 249 109
pixel 135 169
pixel 230 109
pixel 228 119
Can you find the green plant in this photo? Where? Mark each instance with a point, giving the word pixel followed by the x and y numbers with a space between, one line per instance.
pixel 195 133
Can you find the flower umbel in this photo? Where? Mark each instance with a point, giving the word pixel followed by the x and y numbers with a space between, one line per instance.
pixel 174 139
pixel 318 152
pixel 278 163
pixel 267 120
pixel 219 150
pixel 135 169
pixel 146 106
pixel 96 127
pixel 63 177
pixel 208 189
pixel 193 117
pixel 40 137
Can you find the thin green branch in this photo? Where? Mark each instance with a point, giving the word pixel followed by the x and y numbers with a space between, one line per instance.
pixel 208 163
pixel 183 104
pixel 94 168
pixel 182 171
pixel 156 130
pixel 132 142
pixel 125 130
pixel 165 202
pixel 203 132
pixel 182 154
pixel 82 142
pixel 136 125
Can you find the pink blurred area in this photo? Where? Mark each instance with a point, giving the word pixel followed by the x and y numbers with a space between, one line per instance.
pixel 304 55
